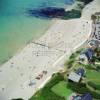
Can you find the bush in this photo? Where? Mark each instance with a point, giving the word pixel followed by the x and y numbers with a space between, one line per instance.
pixel 72 56
pixel 72 14
pixel 85 1
pixel 96 95
pixel 95 86
pixel 82 89
pixel 78 87
pixel 69 64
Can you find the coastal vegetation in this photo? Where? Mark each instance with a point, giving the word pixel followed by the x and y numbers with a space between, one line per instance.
pixel 85 1
pixel 71 14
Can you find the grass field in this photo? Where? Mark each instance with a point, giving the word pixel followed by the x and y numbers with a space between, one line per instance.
pixel 61 89
pixel 93 75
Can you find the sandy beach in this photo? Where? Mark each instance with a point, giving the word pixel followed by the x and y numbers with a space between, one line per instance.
pixel 45 54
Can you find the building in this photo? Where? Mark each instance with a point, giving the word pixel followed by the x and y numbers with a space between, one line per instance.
pixel 86 96
pixel 74 77
pixel 97 14
pixel 93 43
pixel 83 59
pixel 86 56
pixel 77 75
pixel 95 34
pixel 80 72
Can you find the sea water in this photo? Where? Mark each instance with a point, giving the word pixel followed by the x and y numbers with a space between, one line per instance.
pixel 18 28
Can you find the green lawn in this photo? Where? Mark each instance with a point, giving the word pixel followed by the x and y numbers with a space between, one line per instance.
pixel 93 76
pixel 61 89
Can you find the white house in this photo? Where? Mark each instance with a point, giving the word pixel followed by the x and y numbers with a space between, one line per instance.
pixel 74 77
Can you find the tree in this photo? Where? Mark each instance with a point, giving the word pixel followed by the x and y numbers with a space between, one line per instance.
pixel 93 17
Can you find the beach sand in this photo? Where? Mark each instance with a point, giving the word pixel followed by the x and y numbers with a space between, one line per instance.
pixel 45 54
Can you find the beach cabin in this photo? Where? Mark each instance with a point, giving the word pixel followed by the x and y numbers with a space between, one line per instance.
pixel 86 56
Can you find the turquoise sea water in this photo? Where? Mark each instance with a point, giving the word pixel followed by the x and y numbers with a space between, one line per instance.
pixel 17 28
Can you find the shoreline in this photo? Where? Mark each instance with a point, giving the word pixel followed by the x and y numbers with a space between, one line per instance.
pixel 31 40
pixel 28 42
pixel 28 61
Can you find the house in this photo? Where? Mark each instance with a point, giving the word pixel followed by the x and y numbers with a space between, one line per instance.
pixel 80 72
pixel 86 96
pixel 74 77
pixel 74 96
pixel 93 43
pixel 77 75
pixel 83 59
pixel 86 56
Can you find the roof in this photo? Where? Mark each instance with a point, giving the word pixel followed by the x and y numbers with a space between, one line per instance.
pixel 74 77
pixel 83 59
pixel 96 32
pixel 87 96
pixel 89 53
pixel 80 71
pixel 93 42
pixel 97 13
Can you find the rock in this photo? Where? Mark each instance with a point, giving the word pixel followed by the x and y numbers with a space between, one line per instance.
pixel 49 12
